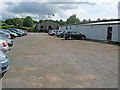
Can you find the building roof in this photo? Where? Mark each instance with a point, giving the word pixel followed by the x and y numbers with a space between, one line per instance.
pixel 102 22
pixel 49 21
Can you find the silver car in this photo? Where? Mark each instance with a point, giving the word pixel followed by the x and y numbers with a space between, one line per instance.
pixel 5 34
pixel 4 46
pixel 4 63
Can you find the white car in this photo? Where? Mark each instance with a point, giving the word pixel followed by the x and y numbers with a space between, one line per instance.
pixel 53 32
pixel 4 63
pixel 58 33
pixel 4 46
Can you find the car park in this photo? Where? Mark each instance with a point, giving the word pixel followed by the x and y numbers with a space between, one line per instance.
pixel 74 35
pixel 4 63
pixel 5 43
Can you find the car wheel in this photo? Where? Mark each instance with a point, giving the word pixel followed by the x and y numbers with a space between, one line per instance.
pixel 83 37
pixel 70 38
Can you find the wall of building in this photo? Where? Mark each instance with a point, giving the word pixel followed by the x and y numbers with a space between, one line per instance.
pixel 47 24
pixel 97 32
pixel 115 33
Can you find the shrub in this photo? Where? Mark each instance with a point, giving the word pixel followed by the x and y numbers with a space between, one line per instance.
pixel 8 26
pixel 4 24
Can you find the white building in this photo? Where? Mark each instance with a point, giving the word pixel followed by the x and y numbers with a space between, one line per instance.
pixel 106 30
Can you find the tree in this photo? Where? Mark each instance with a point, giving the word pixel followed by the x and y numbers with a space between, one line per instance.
pixel 98 19
pixel 84 21
pixel 40 21
pixel 28 22
pixel 61 22
pixel 8 21
pixel 72 19
pixel 35 21
pixel 89 20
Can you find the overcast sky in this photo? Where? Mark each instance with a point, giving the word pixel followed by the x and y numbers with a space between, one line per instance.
pixel 84 9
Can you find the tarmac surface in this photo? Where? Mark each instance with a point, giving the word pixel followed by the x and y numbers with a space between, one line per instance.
pixel 41 61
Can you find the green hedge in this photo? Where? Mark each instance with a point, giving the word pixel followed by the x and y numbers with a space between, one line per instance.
pixel 8 26
pixel 29 29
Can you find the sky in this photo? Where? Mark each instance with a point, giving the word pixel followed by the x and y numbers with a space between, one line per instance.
pixel 44 9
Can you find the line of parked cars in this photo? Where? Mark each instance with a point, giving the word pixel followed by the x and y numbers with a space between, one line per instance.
pixel 68 35
pixel 5 44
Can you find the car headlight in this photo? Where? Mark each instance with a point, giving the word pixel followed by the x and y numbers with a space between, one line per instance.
pixel 2 59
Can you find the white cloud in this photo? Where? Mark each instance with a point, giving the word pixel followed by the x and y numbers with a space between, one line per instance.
pixel 100 9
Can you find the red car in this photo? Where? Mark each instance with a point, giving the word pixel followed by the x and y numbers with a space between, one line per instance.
pixel 49 32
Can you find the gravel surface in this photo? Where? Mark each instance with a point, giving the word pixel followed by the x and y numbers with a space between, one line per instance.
pixel 41 61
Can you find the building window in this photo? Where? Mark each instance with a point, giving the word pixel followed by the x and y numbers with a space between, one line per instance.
pixel 57 27
pixel 50 27
pixel 41 26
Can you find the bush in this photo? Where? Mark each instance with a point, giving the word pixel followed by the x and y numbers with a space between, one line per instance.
pixel 8 26
pixel 4 24
pixel 4 27
pixel 31 29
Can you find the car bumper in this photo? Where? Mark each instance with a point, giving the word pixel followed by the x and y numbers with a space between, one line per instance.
pixel 5 49
pixel 10 43
pixel 4 66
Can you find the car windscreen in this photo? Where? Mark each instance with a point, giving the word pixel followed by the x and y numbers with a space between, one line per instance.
pixel 77 32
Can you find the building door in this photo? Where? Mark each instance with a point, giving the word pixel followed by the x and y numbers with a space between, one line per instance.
pixel 49 27
pixel 109 33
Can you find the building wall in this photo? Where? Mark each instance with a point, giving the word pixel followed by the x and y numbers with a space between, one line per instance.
pixel 97 32
pixel 46 25
pixel 115 32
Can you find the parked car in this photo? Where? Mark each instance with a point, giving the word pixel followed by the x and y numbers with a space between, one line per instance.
pixel 4 46
pixel 9 41
pixel 5 34
pixel 18 33
pixel 62 34
pixel 17 30
pixel 13 35
pixel 52 33
pixel 58 32
pixel 49 32
pixel 4 63
pixel 74 35
pixel 24 32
